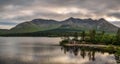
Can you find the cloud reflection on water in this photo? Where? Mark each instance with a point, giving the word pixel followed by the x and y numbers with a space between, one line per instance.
pixel 17 53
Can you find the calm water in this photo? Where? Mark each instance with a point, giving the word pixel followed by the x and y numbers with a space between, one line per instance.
pixel 44 50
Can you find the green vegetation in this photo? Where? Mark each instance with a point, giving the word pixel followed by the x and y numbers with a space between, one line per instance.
pixel 117 42
pixel 102 38
pixel 64 42
pixel 47 33
pixel 83 36
pixel 93 37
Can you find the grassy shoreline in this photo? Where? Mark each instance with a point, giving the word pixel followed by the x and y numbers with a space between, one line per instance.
pixel 114 48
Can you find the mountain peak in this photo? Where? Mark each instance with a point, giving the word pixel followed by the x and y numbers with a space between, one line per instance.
pixel 35 20
pixel 102 19
pixel 71 18
pixel 89 19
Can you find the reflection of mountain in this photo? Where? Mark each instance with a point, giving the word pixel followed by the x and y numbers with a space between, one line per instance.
pixel 84 51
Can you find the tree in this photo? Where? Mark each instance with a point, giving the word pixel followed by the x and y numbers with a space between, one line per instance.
pixel 66 36
pixel 83 36
pixel 75 36
pixel 103 32
pixel 92 35
pixel 101 36
pixel 118 37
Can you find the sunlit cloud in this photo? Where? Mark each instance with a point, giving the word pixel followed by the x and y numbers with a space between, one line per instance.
pixel 6 26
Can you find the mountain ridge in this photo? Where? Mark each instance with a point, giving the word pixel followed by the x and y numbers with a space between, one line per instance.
pixel 37 25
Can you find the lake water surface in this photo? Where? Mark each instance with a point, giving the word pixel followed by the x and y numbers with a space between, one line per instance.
pixel 45 50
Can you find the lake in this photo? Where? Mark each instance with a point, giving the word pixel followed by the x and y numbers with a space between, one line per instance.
pixel 45 50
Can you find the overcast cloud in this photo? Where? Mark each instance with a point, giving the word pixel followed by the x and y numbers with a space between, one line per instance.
pixel 13 12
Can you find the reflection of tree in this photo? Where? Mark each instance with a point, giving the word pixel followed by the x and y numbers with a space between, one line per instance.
pixel 117 57
pixel 75 51
pixel 91 55
pixel 83 52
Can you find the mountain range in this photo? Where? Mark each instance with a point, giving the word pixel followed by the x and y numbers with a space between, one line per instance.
pixel 72 24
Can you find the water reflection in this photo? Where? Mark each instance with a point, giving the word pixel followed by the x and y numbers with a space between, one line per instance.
pixel 83 51
pixel 93 54
pixel 36 52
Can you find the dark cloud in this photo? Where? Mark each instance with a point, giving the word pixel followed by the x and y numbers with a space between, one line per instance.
pixel 7 23
pixel 117 15
pixel 23 10
pixel 15 2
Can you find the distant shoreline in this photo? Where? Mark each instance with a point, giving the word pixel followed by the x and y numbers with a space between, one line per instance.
pixel 90 45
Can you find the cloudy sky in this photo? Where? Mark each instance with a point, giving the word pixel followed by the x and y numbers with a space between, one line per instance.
pixel 13 12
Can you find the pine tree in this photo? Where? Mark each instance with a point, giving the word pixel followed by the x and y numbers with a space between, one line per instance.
pixel 92 35
pixel 83 36
pixel 75 36
pixel 103 32
pixel 118 36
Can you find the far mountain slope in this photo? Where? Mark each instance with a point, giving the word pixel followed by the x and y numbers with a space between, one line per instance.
pixel 37 25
